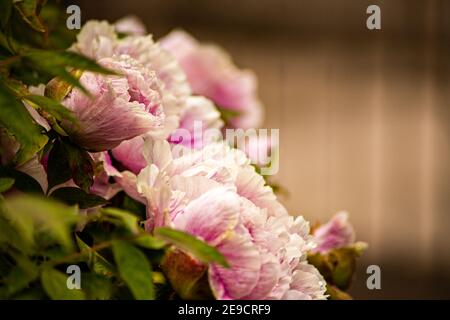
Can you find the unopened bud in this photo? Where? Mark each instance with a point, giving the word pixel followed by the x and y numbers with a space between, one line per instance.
pixel 187 275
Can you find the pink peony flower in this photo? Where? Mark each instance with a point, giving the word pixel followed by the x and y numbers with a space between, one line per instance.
pixel 175 88
pixel 130 25
pixel 129 154
pixel 215 195
pixel 152 56
pixel 211 73
pixel 121 108
pixel 260 149
pixel 200 124
pixel 336 233
pixel 97 40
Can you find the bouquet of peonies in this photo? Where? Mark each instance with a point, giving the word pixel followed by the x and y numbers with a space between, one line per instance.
pixel 114 165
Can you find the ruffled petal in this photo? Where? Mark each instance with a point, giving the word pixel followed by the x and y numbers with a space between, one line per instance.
pixel 244 258
pixel 212 216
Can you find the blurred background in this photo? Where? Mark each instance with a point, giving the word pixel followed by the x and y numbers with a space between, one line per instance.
pixel 364 116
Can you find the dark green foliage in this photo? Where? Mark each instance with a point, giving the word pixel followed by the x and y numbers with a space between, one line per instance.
pixel 29 57
pixel 67 161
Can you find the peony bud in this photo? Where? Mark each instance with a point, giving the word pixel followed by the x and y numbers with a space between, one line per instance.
pixel 188 276
pixel 336 233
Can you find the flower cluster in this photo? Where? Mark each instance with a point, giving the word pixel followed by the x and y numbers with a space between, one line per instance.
pixel 130 123
pixel 216 195
pixel 212 193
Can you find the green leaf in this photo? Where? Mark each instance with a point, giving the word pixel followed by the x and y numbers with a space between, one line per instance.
pixel 122 218
pixel 338 265
pixel 134 269
pixel 24 272
pixel 5 13
pixel 53 59
pixel 22 181
pixel 31 216
pixel 6 42
pixel 73 196
pixel 69 161
pixel 62 74
pixel 16 234
pixel 55 63
pixel 55 285
pixel 31 294
pixel 19 123
pixel 58 169
pixel 50 106
pixel 6 184
pixel 29 10
pixel 96 262
pixel 199 249
pixel 81 165
pixel 96 286
pixel 17 229
pixel 131 205
pixel 149 242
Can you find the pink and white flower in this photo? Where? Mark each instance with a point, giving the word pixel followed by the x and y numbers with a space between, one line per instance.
pixel 121 107
pixel 211 73
pixel 199 125
pixel 97 40
pixel 130 25
pixel 336 233
pixel 215 195
pixel 179 105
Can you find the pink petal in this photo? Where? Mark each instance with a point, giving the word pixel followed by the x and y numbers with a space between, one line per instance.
pixel 307 283
pixel 336 233
pixel 212 216
pixel 130 25
pixel 240 280
pixel 129 154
